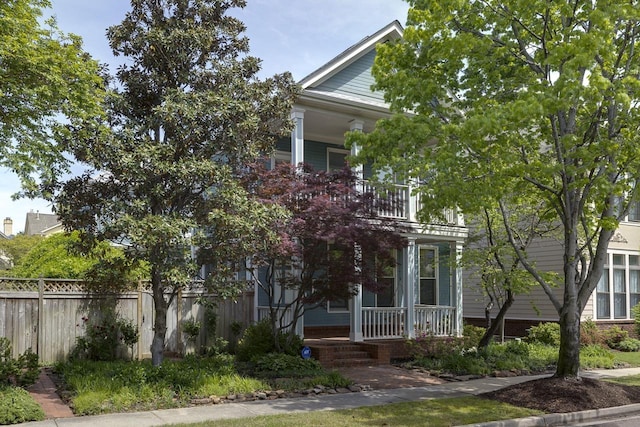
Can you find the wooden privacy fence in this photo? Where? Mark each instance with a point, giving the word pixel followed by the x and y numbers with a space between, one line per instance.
pixel 47 315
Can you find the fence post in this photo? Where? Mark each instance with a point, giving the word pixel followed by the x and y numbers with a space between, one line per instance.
pixel 179 344
pixel 40 340
pixel 140 319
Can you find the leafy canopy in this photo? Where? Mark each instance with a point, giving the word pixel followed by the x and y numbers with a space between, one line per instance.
pixel 501 101
pixel 46 82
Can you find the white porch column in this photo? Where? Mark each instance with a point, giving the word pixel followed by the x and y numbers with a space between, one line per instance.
pixel 355 312
pixel 355 308
pixel 409 260
pixel 456 248
pixel 297 137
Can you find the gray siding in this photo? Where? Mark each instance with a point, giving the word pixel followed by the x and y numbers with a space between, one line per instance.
pixel 354 80
pixel 534 305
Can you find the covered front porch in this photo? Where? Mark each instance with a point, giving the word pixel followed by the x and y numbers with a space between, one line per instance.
pixel 423 296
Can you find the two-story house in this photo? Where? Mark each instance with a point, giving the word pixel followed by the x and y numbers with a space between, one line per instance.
pixel 426 289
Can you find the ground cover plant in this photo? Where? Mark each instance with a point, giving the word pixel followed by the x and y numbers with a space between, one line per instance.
pixel 95 387
pixel 17 406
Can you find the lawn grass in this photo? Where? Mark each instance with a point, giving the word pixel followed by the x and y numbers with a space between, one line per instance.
pixel 631 358
pixel 433 413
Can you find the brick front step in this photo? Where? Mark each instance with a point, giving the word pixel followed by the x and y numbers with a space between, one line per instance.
pixel 331 354
pixel 347 363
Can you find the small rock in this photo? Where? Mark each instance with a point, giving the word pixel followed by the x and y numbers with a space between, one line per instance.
pixel 231 397
pixel 261 395
pixel 201 401
pixel 355 388
pixel 343 390
pixel 280 393
pixel 216 400
pixel 332 391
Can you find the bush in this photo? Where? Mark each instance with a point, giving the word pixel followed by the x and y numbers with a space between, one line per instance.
pixel 614 336
pixel 472 335
pixel 545 333
pixel 104 336
pixel 635 312
pixel 628 344
pixel 590 333
pixel 258 340
pixel 428 345
pixel 596 356
pixel 278 364
pixel 17 406
pixel 22 371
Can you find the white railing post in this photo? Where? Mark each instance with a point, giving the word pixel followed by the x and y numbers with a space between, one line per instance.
pixel 409 255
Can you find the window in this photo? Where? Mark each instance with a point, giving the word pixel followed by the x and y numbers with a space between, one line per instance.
pixel 618 289
pixel 428 276
pixel 336 159
pixel 280 157
pixel 602 301
pixel 634 212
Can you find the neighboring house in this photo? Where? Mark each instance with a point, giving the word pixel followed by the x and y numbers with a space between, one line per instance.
pixel 616 294
pixel 42 224
pixel 426 291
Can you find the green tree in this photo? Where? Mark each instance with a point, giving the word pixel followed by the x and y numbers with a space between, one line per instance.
pixel 511 98
pixel 55 257
pixel 18 246
pixel 188 112
pixel 46 83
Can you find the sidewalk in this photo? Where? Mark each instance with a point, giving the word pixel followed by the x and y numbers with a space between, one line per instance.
pixel 340 401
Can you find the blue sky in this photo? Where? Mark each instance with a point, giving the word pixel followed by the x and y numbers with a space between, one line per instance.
pixel 297 36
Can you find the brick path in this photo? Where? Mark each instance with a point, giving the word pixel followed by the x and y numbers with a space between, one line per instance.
pixel 44 392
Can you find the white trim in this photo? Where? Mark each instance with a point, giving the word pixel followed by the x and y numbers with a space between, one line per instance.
pixel 338 151
pixel 436 261
pixel 391 31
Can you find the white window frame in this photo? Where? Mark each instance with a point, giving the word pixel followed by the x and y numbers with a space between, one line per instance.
pixel 609 271
pixel 338 151
pixel 436 262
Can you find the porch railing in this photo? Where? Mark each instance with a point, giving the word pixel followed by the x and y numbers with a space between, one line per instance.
pixel 435 320
pixel 383 322
pixel 398 197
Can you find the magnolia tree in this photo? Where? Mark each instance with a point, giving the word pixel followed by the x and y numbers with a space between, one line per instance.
pixel 187 113
pixel 501 99
pixel 327 240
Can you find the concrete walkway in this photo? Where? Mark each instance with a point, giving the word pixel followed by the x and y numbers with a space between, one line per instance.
pixel 341 401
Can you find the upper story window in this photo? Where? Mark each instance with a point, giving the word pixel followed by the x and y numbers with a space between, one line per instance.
pixel 634 212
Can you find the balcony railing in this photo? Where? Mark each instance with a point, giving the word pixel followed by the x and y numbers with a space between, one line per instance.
pixel 402 205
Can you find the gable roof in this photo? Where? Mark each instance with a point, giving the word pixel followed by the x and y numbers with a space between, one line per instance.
pixel 38 222
pixel 390 32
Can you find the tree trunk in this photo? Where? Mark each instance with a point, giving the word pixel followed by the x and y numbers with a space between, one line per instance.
pixel 160 323
pixel 569 354
pixel 493 326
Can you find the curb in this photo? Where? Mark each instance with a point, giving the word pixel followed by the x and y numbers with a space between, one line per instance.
pixel 561 419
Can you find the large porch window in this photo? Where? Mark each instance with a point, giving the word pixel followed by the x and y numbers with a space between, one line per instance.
pixel 428 276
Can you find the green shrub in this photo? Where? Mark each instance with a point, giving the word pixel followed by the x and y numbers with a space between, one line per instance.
pixel 430 346
pixel 472 335
pixel 22 371
pixel 545 333
pixel 258 340
pixel 628 344
pixel 278 364
pixel 614 336
pixel 104 336
pixel 635 312
pixel 596 356
pixel 17 406
pixel 590 333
